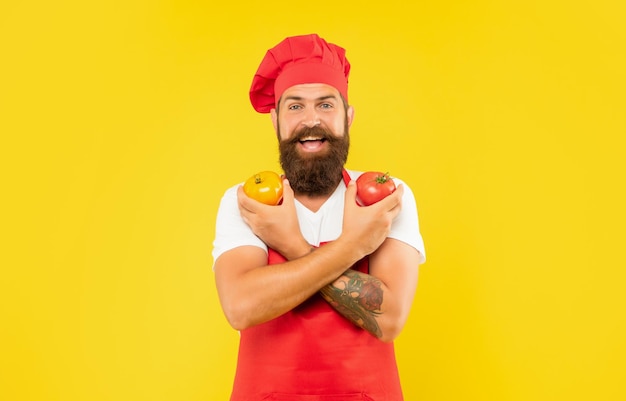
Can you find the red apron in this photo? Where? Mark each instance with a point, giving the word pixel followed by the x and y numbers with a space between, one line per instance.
pixel 312 353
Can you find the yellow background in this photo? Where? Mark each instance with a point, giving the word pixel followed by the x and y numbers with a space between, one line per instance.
pixel 122 123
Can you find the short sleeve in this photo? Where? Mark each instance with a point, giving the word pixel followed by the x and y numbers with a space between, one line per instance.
pixel 230 229
pixel 405 227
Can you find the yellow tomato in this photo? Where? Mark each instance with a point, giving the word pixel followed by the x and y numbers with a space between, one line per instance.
pixel 265 187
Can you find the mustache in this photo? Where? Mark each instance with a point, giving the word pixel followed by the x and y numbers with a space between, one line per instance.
pixel 316 131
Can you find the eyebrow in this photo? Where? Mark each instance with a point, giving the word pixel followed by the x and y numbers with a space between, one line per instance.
pixel 299 98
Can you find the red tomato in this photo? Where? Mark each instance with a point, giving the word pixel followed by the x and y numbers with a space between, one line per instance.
pixel 373 186
pixel 265 187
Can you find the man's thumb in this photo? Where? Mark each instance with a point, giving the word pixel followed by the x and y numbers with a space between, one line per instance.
pixel 351 191
pixel 287 191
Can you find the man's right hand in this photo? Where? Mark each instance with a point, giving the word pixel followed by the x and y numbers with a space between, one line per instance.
pixel 277 226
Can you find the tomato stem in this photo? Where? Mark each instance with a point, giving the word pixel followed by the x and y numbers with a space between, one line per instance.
pixel 381 179
pixel 257 179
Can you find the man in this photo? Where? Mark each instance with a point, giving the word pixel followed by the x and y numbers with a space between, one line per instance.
pixel 318 286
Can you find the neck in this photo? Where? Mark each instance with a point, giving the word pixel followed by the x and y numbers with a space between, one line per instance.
pixel 312 202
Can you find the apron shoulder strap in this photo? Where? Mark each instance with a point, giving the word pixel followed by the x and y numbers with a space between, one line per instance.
pixel 346 176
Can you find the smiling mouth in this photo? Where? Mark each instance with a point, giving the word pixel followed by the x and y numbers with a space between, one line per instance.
pixel 311 143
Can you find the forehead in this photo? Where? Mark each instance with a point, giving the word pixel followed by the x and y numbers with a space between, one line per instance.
pixel 311 91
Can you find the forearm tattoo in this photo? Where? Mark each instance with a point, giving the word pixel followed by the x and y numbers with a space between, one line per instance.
pixel 358 298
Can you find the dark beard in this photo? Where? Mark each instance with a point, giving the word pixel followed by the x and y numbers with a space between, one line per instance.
pixel 315 175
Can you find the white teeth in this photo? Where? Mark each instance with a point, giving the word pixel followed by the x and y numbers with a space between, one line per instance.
pixel 310 138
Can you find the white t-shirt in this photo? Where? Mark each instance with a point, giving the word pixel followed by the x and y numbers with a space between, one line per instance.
pixel 316 227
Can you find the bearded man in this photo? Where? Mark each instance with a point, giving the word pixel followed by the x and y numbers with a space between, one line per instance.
pixel 318 286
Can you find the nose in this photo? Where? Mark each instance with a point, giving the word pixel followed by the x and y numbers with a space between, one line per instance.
pixel 311 119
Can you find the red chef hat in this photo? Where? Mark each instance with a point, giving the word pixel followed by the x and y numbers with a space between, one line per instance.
pixel 298 60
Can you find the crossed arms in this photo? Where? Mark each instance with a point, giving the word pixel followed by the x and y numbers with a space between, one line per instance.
pixel 252 292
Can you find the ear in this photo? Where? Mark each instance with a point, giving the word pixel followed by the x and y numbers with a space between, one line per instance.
pixel 350 114
pixel 274 117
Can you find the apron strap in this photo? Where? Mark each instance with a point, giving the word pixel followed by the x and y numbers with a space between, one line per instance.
pixel 346 177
